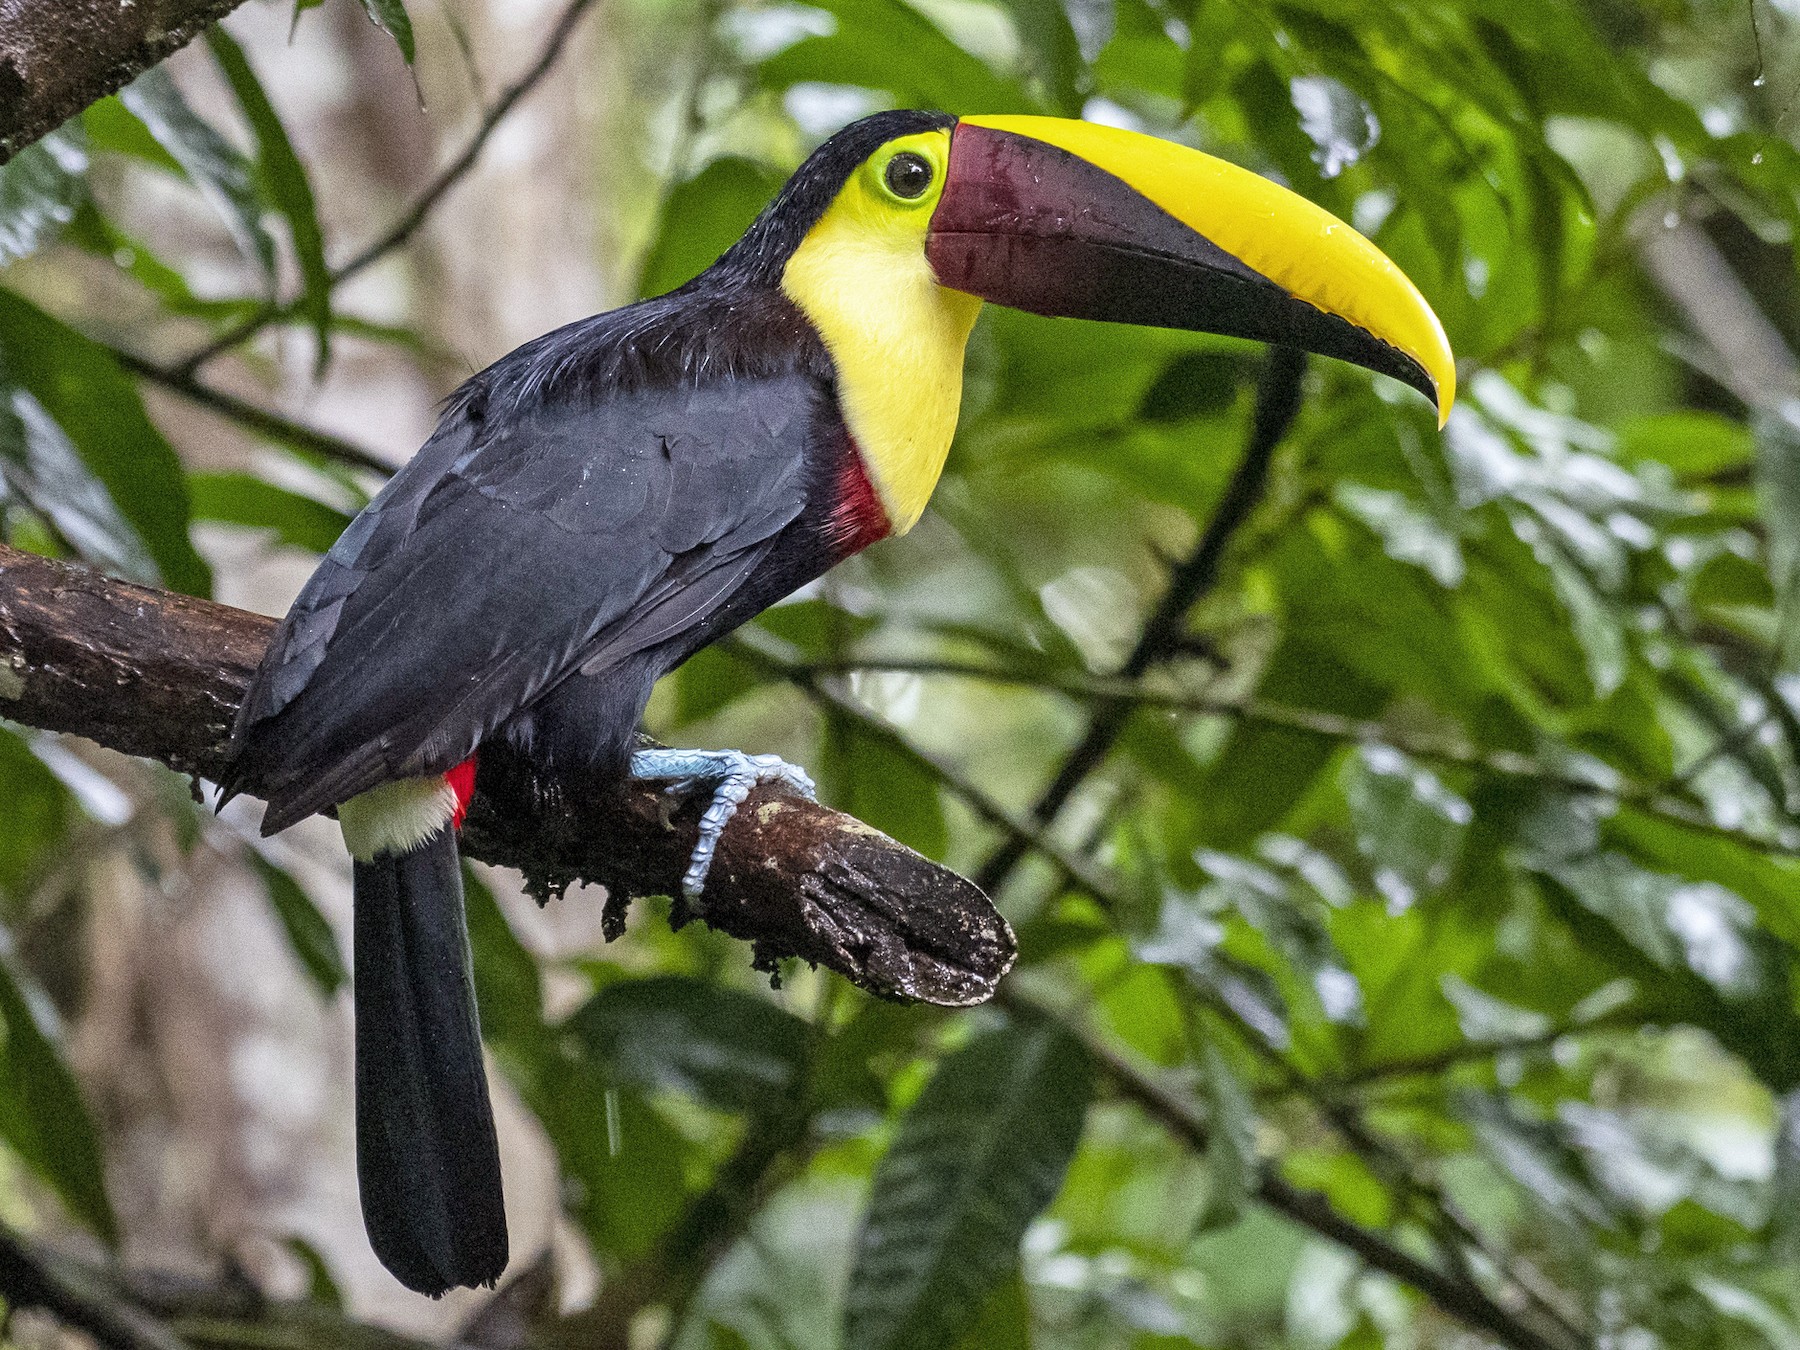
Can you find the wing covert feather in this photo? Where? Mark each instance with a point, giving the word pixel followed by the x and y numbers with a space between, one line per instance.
pixel 500 559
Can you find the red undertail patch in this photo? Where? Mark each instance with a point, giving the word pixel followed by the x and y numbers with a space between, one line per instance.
pixel 857 517
pixel 462 782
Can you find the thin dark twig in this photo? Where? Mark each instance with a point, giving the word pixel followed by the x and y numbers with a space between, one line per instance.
pixel 755 648
pixel 1458 1297
pixel 415 215
pixel 1453 1233
pixel 30 1278
pixel 1336 726
pixel 1658 800
pixel 1277 402
pixel 1454 1291
pixel 1462 1300
pixel 1473 1052
pixel 257 418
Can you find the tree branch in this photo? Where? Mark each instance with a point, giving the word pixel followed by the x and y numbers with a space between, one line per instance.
pixel 1277 401
pixel 160 675
pixel 55 59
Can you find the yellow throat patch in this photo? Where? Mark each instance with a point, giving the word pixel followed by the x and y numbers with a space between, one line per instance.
pixel 894 334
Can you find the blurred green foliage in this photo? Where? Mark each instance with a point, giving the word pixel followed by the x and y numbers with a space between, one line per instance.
pixel 1444 872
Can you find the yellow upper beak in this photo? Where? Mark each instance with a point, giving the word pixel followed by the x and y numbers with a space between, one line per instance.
pixel 1255 232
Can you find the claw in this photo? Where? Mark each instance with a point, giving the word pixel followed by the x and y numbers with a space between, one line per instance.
pixel 731 774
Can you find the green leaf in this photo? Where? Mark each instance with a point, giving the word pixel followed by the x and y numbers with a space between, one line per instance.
pixel 1263 770
pixel 625 1169
pixel 93 232
pixel 710 681
pixel 390 16
pixel 1693 444
pixel 40 188
pixel 703 217
pixel 1289 916
pixel 1188 937
pixel 1772 1323
pixel 113 128
pixel 1693 950
pixel 1408 824
pixel 1231 1156
pixel 1770 885
pixel 891 790
pixel 1407 534
pixel 308 934
pixel 889 45
pixel 729 1049
pixel 284 182
pixel 321 1287
pixel 1005 1320
pixel 224 177
pixel 42 1114
pixel 1778 498
pixel 1537 1158
pixel 243 499
pixel 97 406
pixel 817 627
pixel 977 1157
pixel 1194 384
pixel 1052 52
pixel 37 813
pixel 508 987
pixel 41 469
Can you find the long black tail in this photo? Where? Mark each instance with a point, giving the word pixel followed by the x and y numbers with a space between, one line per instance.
pixel 426 1157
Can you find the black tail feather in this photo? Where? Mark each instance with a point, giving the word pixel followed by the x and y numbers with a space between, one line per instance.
pixel 426 1156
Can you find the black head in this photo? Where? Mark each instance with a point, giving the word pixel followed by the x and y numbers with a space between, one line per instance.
pixel 767 245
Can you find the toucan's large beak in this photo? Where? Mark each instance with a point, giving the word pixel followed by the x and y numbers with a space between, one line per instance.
pixel 1084 221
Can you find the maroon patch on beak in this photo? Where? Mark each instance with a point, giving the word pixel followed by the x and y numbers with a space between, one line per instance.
pixel 1031 226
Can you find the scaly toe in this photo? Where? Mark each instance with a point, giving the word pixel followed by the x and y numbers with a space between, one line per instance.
pixel 733 774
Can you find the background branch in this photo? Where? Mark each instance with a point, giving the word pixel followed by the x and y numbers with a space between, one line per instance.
pixel 1454 1292
pixel 1277 401
pixel 156 674
pixel 284 430
pixel 76 1297
pixel 1456 1295
pixel 411 219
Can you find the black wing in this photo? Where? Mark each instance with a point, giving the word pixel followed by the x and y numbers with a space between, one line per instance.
pixel 504 556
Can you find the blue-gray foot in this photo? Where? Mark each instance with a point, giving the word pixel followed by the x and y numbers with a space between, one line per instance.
pixel 731 774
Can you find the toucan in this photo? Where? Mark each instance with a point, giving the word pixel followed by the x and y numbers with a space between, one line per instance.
pixel 604 501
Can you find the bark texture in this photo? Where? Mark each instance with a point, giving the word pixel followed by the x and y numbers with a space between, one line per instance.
pixel 58 56
pixel 160 675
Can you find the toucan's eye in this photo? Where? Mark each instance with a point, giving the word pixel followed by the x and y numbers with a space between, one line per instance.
pixel 908 175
